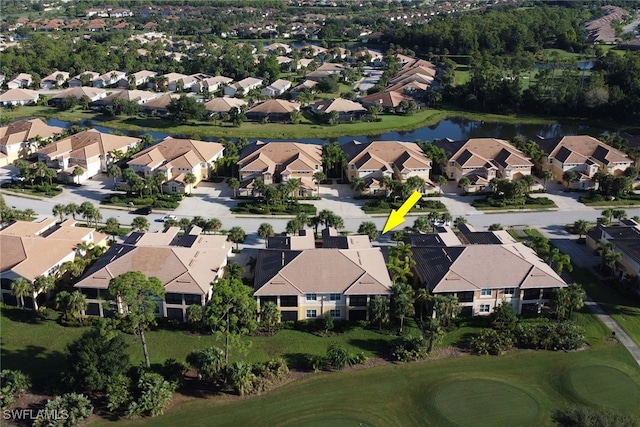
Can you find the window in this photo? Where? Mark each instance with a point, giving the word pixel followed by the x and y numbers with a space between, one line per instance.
pixel 312 297
pixel 484 308
pixel 335 297
pixel 335 313
pixel 485 292
pixel 311 314
pixel 509 291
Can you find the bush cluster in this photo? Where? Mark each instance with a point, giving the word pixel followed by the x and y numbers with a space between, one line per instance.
pixel 538 336
pixel 409 348
pixel 585 416
pixel 267 374
pixel 283 209
pixel 12 383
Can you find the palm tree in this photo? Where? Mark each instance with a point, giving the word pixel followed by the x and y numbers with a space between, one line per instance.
pixel 605 247
pixel 546 175
pixel 357 184
pixel 293 187
pixel 608 213
pixel 530 180
pixel 423 297
pixel 581 227
pixel 112 227
pixel 77 172
pixel 140 223
pixel 72 304
pixel 619 214
pixel 59 210
pixel 387 184
pixel 237 236
pixel 368 228
pixel 569 177
pixel 41 284
pixel 379 308
pixel 21 288
pixel 190 179
pixel 71 209
pixel 613 258
pixel 233 271
pixel 464 182
pixel 442 181
pixel 318 177
pixel 234 183
pixel 214 225
pixel 114 172
pixel 422 224
pixel 265 231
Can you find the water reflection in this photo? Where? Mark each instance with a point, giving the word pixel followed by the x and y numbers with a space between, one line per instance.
pixel 454 128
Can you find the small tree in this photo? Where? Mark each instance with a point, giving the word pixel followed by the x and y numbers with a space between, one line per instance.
pixel 265 231
pixel 581 227
pixel 504 316
pixel 402 301
pixel 269 315
pixel 140 223
pixel 318 177
pixel 380 309
pixel 327 322
pixel 21 288
pixel 136 296
pixel 195 314
pixel 338 357
pixel 190 179
pixel 12 384
pixel 209 363
pixel 241 377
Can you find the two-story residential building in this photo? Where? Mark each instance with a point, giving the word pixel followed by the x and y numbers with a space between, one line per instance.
pixel 374 160
pixel 307 283
pixel 468 272
pixel 177 157
pixel 274 162
pixel 584 155
pixel 483 159
pixel 624 239
pixel 90 150
pixel 187 266
pixel 19 139
pixel 32 249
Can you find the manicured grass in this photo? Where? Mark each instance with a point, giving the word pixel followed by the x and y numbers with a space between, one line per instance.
pixel 415 394
pixel 487 402
pixel 621 308
pixel 615 390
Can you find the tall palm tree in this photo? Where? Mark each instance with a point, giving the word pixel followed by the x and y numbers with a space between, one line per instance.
pixel 72 209
pixel 59 210
pixel 41 284
pixel 140 223
pixel 190 179
pixel 613 258
pixel 214 225
pixel 318 177
pixel 546 175
pixel 21 288
pixel 234 183
pixel 265 231
pixel 233 271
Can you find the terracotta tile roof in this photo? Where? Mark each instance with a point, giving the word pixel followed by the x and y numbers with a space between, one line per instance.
pixel 383 154
pixel 471 268
pixel 574 149
pixel 91 141
pixel 29 252
pixel 275 106
pixel 224 105
pixel 484 152
pixel 178 152
pixel 386 99
pixel 338 104
pixel 280 153
pixel 348 271
pixel 19 95
pixel 26 130
pixel 93 93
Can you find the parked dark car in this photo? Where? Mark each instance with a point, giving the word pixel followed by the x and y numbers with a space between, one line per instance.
pixel 143 211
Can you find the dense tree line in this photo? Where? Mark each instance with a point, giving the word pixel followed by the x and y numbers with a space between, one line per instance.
pixel 496 32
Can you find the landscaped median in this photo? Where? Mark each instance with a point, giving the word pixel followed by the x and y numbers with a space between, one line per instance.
pixel 165 201
pixel 528 203
pixel 380 206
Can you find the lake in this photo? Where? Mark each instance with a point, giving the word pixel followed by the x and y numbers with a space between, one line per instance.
pixel 453 128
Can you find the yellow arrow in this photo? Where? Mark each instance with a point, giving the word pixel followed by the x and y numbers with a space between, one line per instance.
pixel 396 217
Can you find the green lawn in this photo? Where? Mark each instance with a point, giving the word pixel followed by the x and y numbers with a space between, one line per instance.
pixel 526 384
pixel 521 388
pixel 621 308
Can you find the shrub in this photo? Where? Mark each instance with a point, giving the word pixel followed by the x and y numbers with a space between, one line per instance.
pixel 490 341
pixel 77 407
pixel 585 416
pixel 338 357
pixel 549 336
pixel 12 383
pixel 409 348
pixel 268 373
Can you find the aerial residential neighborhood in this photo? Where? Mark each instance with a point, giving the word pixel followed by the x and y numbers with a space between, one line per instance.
pixel 315 212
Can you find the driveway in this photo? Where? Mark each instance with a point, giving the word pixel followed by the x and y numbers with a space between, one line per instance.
pixel 456 204
pixel 565 200
pixel 340 199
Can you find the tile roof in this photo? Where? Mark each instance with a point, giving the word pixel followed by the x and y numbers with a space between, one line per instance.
pixel 386 99
pixel 178 152
pixel 224 105
pixel 26 130
pixel 384 154
pixel 89 143
pixel 19 95
pixel 489 152
pixel 275 106
pixel 578 148
pixel 338 104
pixel 348 271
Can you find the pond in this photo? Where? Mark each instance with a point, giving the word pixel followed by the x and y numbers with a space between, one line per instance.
pixel 453 128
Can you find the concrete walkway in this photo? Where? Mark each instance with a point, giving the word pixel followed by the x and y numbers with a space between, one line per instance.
pixel 620 335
